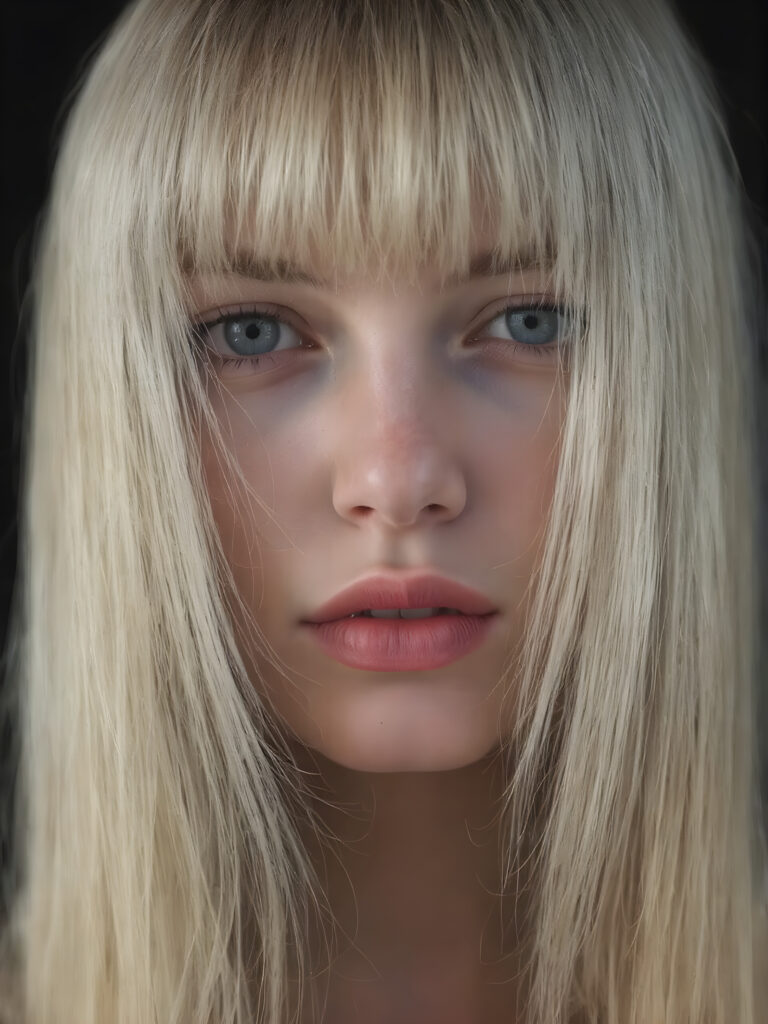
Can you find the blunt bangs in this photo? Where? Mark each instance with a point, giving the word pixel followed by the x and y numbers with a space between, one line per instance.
pixel 377 137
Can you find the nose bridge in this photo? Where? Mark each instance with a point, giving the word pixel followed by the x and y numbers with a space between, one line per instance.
pixel 393 385
pixel 393 352
pixel 393 454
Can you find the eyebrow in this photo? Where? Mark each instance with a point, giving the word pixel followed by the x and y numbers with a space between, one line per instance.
pixel 247 264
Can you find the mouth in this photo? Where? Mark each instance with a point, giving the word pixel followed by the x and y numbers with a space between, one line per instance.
pixel 401 613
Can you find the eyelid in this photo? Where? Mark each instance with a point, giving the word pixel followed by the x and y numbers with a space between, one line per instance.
pixel 218 313
pixel 516 302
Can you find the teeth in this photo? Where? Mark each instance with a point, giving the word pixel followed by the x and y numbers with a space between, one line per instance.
pixel 404 613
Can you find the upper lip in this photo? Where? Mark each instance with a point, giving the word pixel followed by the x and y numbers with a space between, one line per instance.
pixel 414 591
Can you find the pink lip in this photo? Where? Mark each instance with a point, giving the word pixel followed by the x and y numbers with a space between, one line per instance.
pixel 403 591
pixel 401 645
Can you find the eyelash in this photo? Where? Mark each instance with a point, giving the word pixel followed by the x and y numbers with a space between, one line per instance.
pixel 199 328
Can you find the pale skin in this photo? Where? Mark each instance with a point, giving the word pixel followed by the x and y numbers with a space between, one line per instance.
pixel 390 444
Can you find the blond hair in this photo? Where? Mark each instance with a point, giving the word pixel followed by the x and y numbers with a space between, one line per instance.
pixel 155 800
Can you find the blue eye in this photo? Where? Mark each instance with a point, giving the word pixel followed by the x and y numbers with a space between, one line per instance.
pixel 533 326
pixel 251 334
pixel 237 338
pixel 532 330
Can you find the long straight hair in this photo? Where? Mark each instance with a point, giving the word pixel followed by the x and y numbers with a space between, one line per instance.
pixel 161 874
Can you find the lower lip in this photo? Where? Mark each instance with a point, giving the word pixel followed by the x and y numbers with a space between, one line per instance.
pixel 401 645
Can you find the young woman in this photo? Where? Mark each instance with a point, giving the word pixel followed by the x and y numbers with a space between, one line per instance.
pixel 438 310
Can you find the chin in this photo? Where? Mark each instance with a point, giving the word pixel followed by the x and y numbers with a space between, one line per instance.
pixel 387 748
pixel 399 763
pixel 440 727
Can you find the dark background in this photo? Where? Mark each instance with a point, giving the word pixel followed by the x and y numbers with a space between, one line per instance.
pixel 45 45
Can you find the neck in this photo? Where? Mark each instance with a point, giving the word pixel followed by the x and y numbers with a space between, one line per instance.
pixel 411 864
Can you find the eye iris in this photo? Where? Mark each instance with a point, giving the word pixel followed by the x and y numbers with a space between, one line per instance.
pixel 533 327
pixel 251 335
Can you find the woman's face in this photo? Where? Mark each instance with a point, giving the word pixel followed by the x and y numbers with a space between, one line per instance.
pixel 388 428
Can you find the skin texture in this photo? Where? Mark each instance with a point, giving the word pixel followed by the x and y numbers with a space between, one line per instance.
pixel 392 442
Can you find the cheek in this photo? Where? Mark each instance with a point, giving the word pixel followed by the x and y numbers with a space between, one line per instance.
pixel 525 469
pixel 258 486
pixel 237 505
pixel 235 514
pixel 221 496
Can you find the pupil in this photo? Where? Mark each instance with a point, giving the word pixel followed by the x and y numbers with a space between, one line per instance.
pixel 252 331
pixel 530 321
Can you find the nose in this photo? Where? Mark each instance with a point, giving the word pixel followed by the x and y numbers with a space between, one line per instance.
pixel 397 464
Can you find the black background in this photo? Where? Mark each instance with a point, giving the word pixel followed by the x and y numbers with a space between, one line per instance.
pixel 45 47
